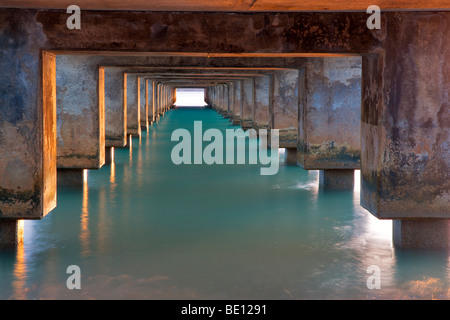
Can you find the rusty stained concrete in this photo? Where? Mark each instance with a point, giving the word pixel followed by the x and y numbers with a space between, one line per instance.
pixel 330 114
pixel 405 128
pixel 115 108
pixel 80 113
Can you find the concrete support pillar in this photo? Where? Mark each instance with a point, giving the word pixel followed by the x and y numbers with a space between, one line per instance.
pixel 207 96
pixel 262 101
pixel 70 178
pixel 231 100
pixel 248 101
pixel 115 108
pixel 237 102
pixel 133 105
pixel 405 130
pixel 330 109
pixel 80 112
pixel 284 110
pixel 174 94
pixel 214 98
pixel 337 179
pixel 159 99
pixel 225 100
pixel 27 125
pixel 143 102
pixel 11 233
pixel 222 99
pixel 164 99
pixel 151 100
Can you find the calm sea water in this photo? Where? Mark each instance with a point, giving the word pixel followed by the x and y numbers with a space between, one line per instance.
pixel 144 228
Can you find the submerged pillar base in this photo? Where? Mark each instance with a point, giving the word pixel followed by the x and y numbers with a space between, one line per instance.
pixel 11 233
pixel 291 156
pixel 337 179
pixel 144 127
pixel 70 178
pixel 246 124
pixel 421 233
pixel 109 155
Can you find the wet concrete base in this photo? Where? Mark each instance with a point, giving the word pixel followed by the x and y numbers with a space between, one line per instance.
pixel 421 233
pixel 291 156
pixel 70 178
pixel 337 179
pixel 11 233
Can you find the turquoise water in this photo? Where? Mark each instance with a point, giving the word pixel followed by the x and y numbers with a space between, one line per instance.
pixel 144 228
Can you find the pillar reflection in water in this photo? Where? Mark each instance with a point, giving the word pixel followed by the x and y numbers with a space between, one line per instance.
pixel 84 234
pixel 374 239
pixel 103 224
pixel 20 266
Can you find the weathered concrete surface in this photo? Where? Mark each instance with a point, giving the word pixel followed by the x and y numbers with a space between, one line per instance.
pixel 197 32
pixel 421 233
pixel 133 104
pixel 80 113
pixel 262 102
pixel 330 109
pixel 11 233
pixel 284 110
pixel 70 178
pixel 248 101
pixel 340 179
pixel 406 119
pixel 115 108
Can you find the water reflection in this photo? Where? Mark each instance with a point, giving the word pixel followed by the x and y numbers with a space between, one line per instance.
pixel 84 233
pixel 268 237
pixel 20 266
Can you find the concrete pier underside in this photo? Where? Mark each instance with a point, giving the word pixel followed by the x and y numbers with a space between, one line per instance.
pixel 405 79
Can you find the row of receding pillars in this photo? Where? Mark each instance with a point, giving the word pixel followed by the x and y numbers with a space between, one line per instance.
pixel 316 108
